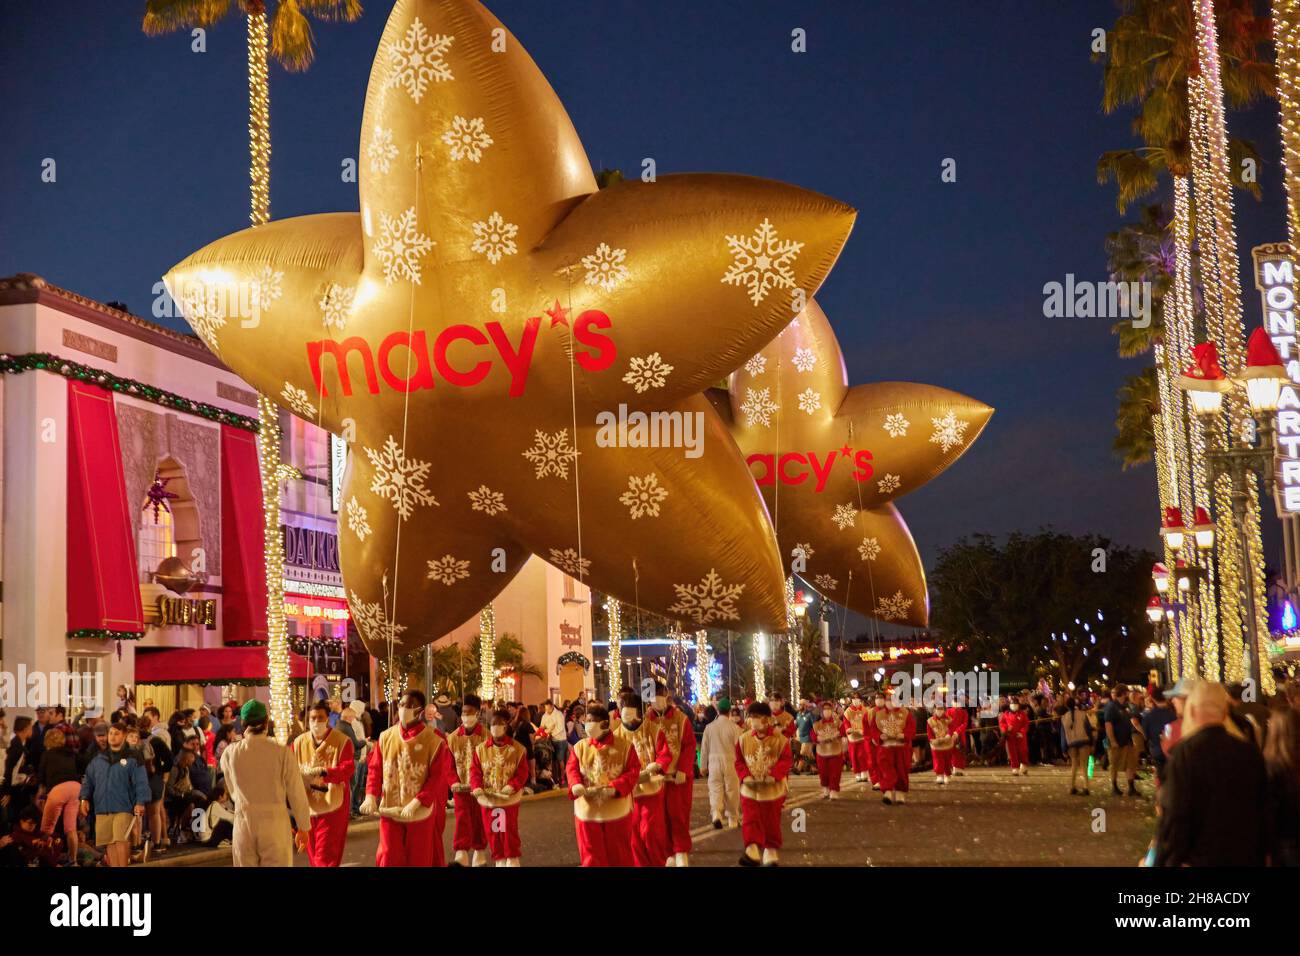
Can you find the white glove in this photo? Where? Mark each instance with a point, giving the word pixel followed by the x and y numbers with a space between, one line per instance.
pixel 411 809
pixel 578 790
pixel 653 768
pixel 601 793
pixel 477 793
pixel 369 806
pixel 507 790
pixel 679 777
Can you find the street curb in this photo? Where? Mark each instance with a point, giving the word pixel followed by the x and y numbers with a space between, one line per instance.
pixel 223 857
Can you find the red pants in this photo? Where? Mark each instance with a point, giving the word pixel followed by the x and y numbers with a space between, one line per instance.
pixel 858 756
pixel 410 844
pixel 649 830
pixel 830 769
pixel 328 836
pixel 942 762
pixel 894 765
pixel 760 822
pixel 1017 751
pixel 502 827
pixel 873 761
pixel 605 844
pixel 677 811
pixel 468 833
pixel 959 754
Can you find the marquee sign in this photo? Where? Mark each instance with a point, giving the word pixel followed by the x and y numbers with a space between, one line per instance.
pixel 1275 280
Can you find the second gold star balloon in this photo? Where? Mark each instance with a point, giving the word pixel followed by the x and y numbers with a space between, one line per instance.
pixel 488 328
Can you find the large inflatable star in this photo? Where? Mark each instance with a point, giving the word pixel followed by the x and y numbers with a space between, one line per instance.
pixel 475 327
pixel 831 459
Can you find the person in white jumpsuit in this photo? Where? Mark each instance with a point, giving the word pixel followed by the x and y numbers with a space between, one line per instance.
pixel 718 760
pixel 263 779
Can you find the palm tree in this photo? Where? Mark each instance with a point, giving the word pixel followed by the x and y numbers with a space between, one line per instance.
pixel 1142 252
pixel 287 36
pixel 1139 400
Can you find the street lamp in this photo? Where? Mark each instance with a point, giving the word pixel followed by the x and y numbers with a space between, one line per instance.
pixel 1203 530
pixel 1262 380
pixel 1160 575
pixel 1172 529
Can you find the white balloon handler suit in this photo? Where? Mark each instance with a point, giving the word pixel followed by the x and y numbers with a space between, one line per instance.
pixel 718 760
pixel 264 781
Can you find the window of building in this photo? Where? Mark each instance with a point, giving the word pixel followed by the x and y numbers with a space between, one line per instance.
pixel 157 539
pixel 84 691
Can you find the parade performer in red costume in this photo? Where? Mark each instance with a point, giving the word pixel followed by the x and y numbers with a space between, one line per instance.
pixel 828 738
pixel 1014 724
pixel 498 772
pixel 942 743
pixel 650 823
pixel 467 836
pixel 763 761
pixel 602 773
pixel 856 729
pixel 782 719
pixel 679 775
pixel 325 759
pixel 896 728
pixel 410 774
pixel 958 723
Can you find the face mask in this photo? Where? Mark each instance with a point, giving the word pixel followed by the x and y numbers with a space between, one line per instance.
pixel 661 704
pixel 757 724
pixel 409 714
pixel 319 728
pixel 938 712
pixel 498 730
pixel 1015 706
pixel 594 730
pixel 827 714
pixel 880 702
pixel 629 715
pixel 777 707
pixel 470 720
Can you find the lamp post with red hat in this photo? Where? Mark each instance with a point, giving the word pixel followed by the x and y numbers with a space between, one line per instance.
pixel 1242 464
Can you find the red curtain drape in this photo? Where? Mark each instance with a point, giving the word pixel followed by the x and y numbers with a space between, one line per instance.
pixel 103 576
pixel 243 565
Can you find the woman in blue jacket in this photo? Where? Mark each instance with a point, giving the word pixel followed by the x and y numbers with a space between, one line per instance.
pixel 118 787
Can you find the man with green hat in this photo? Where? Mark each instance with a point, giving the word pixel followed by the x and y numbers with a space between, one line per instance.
pixel 718 761
pixel 263 779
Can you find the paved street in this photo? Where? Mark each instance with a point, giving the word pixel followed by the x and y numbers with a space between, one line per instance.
pixel 986 818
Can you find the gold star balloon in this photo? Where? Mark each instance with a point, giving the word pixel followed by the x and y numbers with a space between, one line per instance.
pixel 516 359
pixel 831 459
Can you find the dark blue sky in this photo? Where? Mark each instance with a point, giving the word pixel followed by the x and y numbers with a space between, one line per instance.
pixel 940 283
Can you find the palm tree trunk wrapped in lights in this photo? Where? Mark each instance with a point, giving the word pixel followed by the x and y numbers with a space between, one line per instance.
pixel 487 647
pixel 614 615
pixel 760 679
pixel 1286 42
pixel 792 638
pixel 1239 599
pixel 703 666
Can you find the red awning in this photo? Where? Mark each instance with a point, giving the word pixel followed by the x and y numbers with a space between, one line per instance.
pixel 243 565
pixel 214 665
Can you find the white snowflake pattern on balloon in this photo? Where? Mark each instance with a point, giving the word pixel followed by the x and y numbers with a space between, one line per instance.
pixel 756 365
pixel 372 622
pixel 266 288
pixel 298 400
pixel 400 247
pixel 570 563
pixel 203 309
pixel 358 519
pixel 417 59
pixel 824 583
pixel 759 407
pixel 869 549
pixel 948 431
pixel 605 267
pixel 893 608
pixel 486 500
pixel 809 400
pixel 896 425
pixel 804 360
pixel 762 262
pixel 803 550
pixel 889 484
pixel 844 516
pixel 551 453
pixel 381 150
pixel 494 238
pixel 448 569
pixel 643 496
pixel 708 601
pixel 399 479
pixel 336 305
pixel 467 138
pixel 647 373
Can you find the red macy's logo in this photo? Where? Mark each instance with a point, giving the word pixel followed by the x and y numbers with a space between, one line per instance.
pixel 813 467
pixel 597 353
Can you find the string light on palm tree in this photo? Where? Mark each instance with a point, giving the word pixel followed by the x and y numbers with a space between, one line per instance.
pixel 487 652
pixel 1286 42
pixel 760 653
pixel 703 667
pixel 614 616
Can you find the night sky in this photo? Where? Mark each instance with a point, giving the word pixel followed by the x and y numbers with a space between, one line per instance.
pixel 939 283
